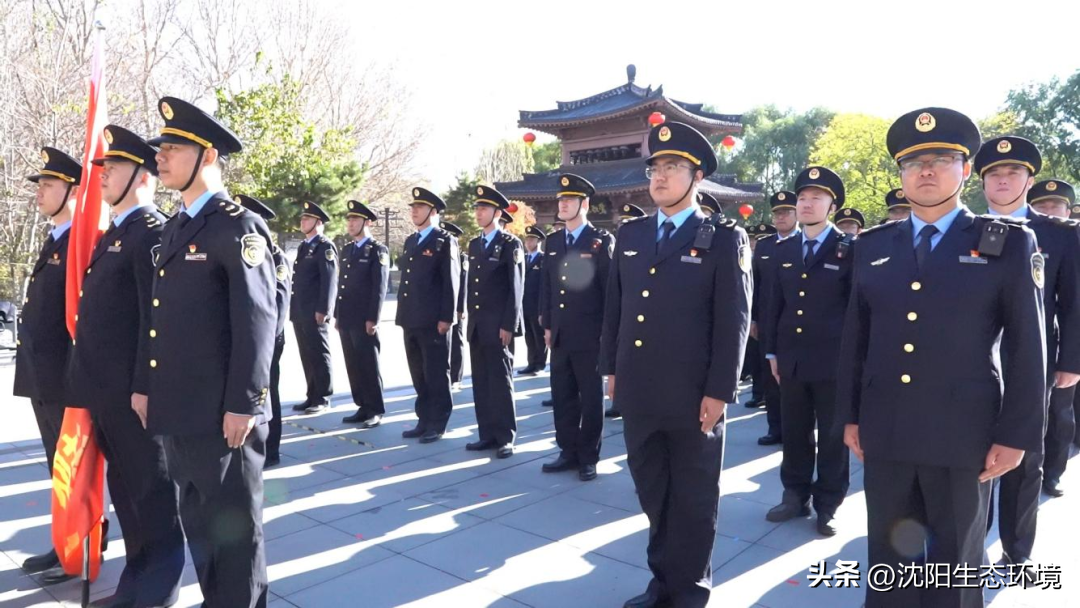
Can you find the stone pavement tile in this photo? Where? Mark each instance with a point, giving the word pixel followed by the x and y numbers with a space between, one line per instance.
pixel 490 463
pixel 17 478
pixel 307 558
pixel 611 489
pixel 765 576
pixel 282 520
pixel 487 497
pixel 529 474
pixel 334 500
pixel 21 590
pixel 294 474
pixel 358 460
pixel 742 519
pixel 560 518
pixel 850 523
pixel 399 582
pixel 311 447
pixel 531 569
pixel 408 524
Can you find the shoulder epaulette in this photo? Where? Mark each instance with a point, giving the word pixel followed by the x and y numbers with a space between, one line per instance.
pixel 881 227
pixel 232 209
pixel 1014 222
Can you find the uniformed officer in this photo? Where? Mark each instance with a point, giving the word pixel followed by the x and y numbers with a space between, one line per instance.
pixel 897 205
pixel 212 324
pixel 427 310
pixel 782 205
pixel 1055 197
pixel 709 205
pixel 496 286
pixel 919 384
pixel 283 293
pixel 850 221
pixel 457 340
pixel 572 293
pixel 675 327
pixel 44 341
pixel 112 335
pixel 627 211
pixel 315 284
pixel 536 346
pixel 1008 166
pixel 361 293
pixel 752 366
pixel 802 330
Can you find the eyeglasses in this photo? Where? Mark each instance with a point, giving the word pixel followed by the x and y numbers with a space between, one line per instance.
pixel 939 163
pixel 666 170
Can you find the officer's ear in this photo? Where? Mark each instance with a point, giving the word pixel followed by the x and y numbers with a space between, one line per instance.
pixel 210 157
pixel 967 169
pixel 832 207
pixel 699 175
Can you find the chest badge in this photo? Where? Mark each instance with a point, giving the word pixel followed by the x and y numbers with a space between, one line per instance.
pixel 879 261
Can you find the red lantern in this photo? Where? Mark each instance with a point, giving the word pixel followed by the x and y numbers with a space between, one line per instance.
pixel 728 142
pixel 512 208
pixel 746 210
pixel 529 139
pixel 656 119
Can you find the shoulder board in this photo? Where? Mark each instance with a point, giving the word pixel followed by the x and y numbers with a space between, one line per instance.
pixel 725 223
pixel 232 209
pixel 1063 222
pixel 474 239
pixel 508 237
pixel 872 229
pixel 635 220
pixel 1014 222
pixel 767 237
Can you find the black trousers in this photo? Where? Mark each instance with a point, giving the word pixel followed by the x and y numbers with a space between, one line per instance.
pixel 362 364
pixel 1076 418
pixel 221 497
pixel 535 347
pixel 493 391
pixel 428 355
pixel 50 418
pixel 803 404
pixel 676 471
pixel 457 353
pixel 313 341
pixel 273 438
pixel 578 392
pixel 146 505
pixel 773 399
pixel 752 367
pixel 925 515
pixel 1060 430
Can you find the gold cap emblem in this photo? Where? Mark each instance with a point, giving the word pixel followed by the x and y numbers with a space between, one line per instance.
pixel 925 122
pixel 44 156
pixel 814 173
pixel 480 190
pixel 900 195
pixel 108 136
pixel 307 205
pixel 847 211
pixel 665 133
pixel 166 110
pixel 1004 146
pixel 781 196
pixel 236 199
pixel 1051 186
pixel 566 181
pixel 416 192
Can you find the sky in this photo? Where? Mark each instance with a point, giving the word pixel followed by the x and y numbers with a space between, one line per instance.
pixel 473 64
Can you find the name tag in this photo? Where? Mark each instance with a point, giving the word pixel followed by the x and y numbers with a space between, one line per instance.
pixel 54 262
pixel 363 260
pixel 970 259
pixel 195 257
pixel 690 259
pixel 428 253
pixel 586 255
pixel 113 249
pixel 832 267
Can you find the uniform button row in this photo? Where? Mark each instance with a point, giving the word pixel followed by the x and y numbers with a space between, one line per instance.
pixel 906 379
pixel 911 316
pixel 909 348
pixel 637 343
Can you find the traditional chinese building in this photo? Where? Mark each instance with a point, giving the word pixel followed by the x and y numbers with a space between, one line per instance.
pixel 604 138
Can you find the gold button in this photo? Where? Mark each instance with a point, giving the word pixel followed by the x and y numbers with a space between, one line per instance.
pixel 798 312
pixel 909 348
pixel 645 293
pixel 804 275
pixel 157 302
pixel 477 307
pixel 802 294
pixel 153 333
pixel 153 362
pixel 88 270
pixel 161 272
pixel 565 264
pixel 404 294
pixel 916 286
pixel 906 379
pixel 346 276
pixel 476 293
pixel 406 270
pixel 80 293
pixel 564 278
pixel 637 343
pixel 562 292
pixel 76 317
pixel 641 318
pixel 406 282
pixel 562 305
pixel 911 316
pixel 652 271
pixel 798 330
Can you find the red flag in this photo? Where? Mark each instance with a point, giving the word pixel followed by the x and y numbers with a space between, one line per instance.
pixel 78 502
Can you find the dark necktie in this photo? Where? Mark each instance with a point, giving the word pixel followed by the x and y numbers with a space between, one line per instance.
pixel 49 240
pixel 668 227
pixel 569 240
pixel 809 255
pixel 923 248
pixel 181 220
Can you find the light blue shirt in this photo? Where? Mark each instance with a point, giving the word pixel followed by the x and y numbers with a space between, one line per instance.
pixel 794 233
pixel 311 239
pixel 942 225
pixel 533 256
pixel 577 233
pixel 678 219
pixel 818 241
pixel 361 242
pixel 123 216
pixel 1021 213
pixel 200 202
pixel 59 231
pixel 491 237
pixel 423 234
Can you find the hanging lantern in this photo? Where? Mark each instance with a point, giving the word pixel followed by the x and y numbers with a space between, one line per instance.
pixel 656 119
pixel 746 210
pixel 512 209
pixel 529 139
pixel 728 142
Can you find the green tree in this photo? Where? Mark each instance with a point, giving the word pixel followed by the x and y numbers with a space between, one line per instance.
pixel 854 147
pixel 459 203
pixel 506 161
pixel 288 159
pixel 1049 114
pixel 547 157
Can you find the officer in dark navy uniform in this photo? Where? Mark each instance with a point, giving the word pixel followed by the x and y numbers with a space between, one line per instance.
pixel 535 345
pixel 365 270
pixel 495 289
pixel 675 327
pixel 572 291
pixel 627 212
pixel 315 281
pixel 457 341
pixel 1055 197
pixel 849 221
pixel 709 205
pixel 897 205
pixel 212 324
pixel 42 349
pixel 427 311
pixel 802 340
pixel 919 382
pixel 1008 166
pixel 283 276
pixel 111 338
